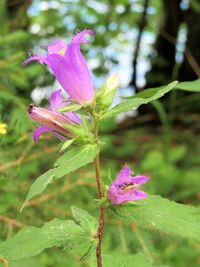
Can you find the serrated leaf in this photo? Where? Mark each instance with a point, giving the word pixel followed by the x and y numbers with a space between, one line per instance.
pixel 31 241
pixel 161 214
pixel 86 221
pixel 72 160
pixel 141 98
pixel 193 86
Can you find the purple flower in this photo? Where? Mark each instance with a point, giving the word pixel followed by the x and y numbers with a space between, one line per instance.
pixel 69 67
pixel 51 120
pixel 125 187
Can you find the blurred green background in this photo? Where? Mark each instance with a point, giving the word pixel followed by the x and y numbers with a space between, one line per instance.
pixel 149 43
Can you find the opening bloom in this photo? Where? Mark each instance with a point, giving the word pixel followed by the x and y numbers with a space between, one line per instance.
pixel 69 67
pixel 50 119
pixel 125 187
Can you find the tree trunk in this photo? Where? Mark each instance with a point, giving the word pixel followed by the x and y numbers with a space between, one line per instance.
pixel 141 25
pixel 190 69
pixel 162 63
pixel 17 14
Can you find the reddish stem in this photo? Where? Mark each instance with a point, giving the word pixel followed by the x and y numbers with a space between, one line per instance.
pixel 100 195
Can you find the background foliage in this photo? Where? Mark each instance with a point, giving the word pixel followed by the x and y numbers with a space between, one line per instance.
pixel 162 142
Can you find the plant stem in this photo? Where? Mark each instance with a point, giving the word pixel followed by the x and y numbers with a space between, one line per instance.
pixel 100 195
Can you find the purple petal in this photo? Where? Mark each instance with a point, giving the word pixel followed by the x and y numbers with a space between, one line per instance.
pixel 125 187
pixel 80 37
pixel 112 194
pixel 130 195
pixel 124 175
pixel 42 129
pixel 73 75
pixel 56 47
pixel 119 197
pixel 70 70
pixel 139 179
pixel 41 59
pixel 72 116
pixel 56 100
pixel 139 194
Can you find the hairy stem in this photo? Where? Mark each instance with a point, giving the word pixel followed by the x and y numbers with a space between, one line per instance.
pixel 100 195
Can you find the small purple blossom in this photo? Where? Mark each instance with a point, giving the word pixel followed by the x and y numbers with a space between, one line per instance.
pixel 50 119
pixel 125 187
pixel 69 67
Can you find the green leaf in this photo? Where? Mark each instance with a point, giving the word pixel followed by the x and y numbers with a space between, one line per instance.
pixel 31 241
pixel 86 221
pixel 15 38
pixel 193 86
pixel 160 214
pixel 39 185
pixel 117 260
pixel 177 153
pixel 72 160
pixel 143 97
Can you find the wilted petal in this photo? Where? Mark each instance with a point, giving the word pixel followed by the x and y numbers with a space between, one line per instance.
pixel 42 129
pixel 51 119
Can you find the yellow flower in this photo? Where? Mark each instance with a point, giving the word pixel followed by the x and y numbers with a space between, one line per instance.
pixel 3 127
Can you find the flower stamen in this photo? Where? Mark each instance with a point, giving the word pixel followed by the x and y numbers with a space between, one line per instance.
pixel 62 51
pixel 128 187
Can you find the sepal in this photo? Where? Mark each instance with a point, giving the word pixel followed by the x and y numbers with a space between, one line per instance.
pixel 70 107
pixel 67 144
pixel 106 94
pixel 81 132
